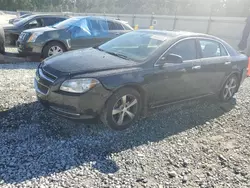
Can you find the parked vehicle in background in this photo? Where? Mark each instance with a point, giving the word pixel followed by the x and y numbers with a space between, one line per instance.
pixel 14 20
pixel 122 78
pixel 2 41
pixel 12 32
pixel 71 34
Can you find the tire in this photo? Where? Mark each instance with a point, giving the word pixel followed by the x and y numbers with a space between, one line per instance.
pixel 229 88
pixel 2 49
pixel 57 46
pixel 113 112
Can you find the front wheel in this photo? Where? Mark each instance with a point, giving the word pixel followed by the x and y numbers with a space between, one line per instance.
pixel 229 88
pixel 122 109
pixel 53 48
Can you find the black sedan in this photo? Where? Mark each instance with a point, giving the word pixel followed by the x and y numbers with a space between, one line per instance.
pixel 119 80
pixel 12 32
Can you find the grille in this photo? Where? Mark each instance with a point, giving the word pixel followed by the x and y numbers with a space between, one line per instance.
pixel 48 75
pixel 22 36
pixel 42 88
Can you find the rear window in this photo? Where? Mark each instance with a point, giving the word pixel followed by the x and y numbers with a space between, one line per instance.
pixel 127 27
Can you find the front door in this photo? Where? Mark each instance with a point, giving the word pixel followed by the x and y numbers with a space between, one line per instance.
pixel 177 81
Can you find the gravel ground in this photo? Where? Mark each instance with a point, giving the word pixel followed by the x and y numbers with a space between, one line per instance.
pixel 198 144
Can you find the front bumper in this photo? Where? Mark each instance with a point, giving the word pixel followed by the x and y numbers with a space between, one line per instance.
pixel 74 106
pixel 25 48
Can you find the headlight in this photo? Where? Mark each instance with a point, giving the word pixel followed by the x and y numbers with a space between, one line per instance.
pixel 34 36
pixel 78 85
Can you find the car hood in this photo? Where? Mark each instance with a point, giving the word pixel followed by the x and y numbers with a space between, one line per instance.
pixel 40 29
pixel 9 27
pixel 84 61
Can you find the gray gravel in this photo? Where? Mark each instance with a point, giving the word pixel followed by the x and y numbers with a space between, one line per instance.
pixel 198 144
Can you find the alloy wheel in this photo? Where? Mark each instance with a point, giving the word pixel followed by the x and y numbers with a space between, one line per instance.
pixel 124 110
pixel 54 50
pixel 230 88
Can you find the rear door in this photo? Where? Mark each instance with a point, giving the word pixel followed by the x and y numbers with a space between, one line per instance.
pixel 215 64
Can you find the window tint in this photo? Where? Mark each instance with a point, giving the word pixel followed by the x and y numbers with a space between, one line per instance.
pixel 118 26
pixel 126 27
pixel 223 51
pixel 114 26
pixel 111 25
pixel 35 23
pixel 50 21
pixel 211 48
pixel 186 49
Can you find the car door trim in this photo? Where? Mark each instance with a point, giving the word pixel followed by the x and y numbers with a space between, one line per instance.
pixel 190 38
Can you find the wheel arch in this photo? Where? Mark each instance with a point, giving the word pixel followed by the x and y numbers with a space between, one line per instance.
pixel 236 73
pixel 58 41
pixel 142 93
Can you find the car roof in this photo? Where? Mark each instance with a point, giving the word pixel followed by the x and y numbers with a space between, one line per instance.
pixel 102 18
pixel 46 15
pixel 179 34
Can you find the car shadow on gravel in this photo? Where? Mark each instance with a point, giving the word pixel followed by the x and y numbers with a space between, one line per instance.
pixel 35 143
pixel 14 64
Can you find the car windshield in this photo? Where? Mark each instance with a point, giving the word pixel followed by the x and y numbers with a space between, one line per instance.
pixel 137 46
pixel 24 20
pixel 67 23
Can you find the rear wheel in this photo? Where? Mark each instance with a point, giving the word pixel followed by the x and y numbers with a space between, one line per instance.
pixel 53 48
pixel 229 88
pixel 122 109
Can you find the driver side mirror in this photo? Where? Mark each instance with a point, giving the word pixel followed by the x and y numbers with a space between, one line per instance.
pixel 171 58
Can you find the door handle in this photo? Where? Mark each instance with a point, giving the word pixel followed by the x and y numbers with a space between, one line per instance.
pixel 227 63
pixel 196 67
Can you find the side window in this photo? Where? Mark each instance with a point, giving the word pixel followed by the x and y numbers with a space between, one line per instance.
pixel 126 27
pixel 118 26
pixel 35 23
pixel 211 48
pixel 186 49
pixel 114 26
pixel 52 21
pixel 111 25
pixel 223 51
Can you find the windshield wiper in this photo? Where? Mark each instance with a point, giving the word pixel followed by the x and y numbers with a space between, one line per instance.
pixel 97 47
pixel 112 53
pixel 118 55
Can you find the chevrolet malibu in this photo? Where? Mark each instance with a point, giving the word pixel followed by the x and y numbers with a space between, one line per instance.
pixel 120 80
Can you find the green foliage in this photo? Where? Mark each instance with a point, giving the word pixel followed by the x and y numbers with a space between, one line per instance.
pixel 169 7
